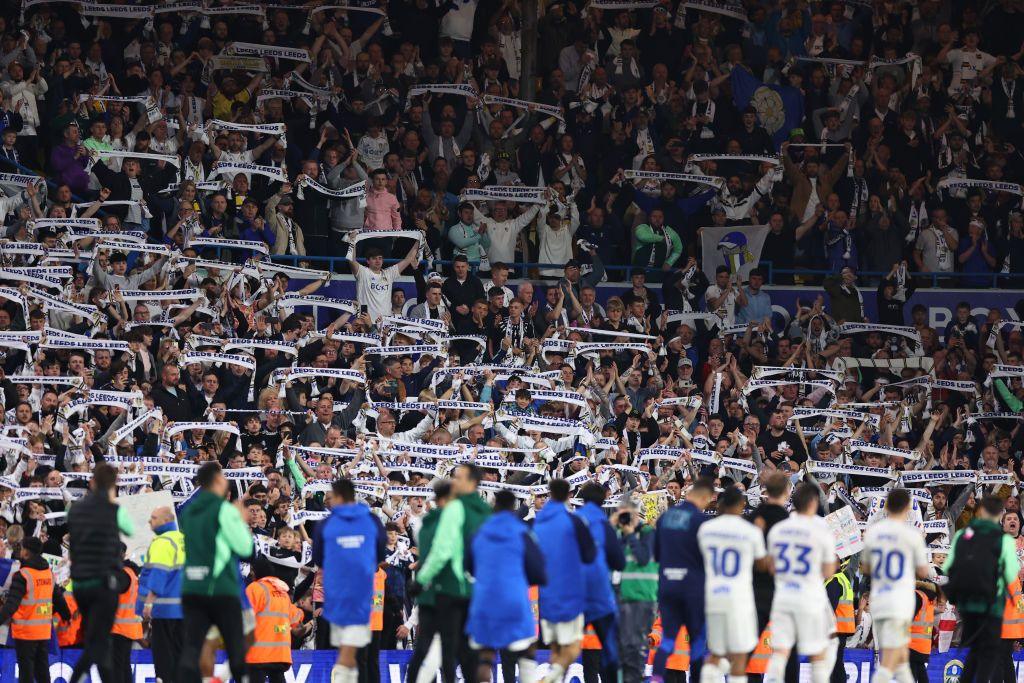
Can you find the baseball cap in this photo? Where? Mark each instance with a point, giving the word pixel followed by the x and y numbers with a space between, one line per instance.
pixel 572 263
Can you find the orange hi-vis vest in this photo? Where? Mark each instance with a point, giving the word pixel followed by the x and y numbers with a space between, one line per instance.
pixel 1013 612
pixel 275 617
pixel 33 619
pixel 679 660
pixel 921 627
pixel 590 639
pixel 534 595
pixel 758 662
pixel 377 609
pixel 846 622
pixel 69 633
pixel 126 622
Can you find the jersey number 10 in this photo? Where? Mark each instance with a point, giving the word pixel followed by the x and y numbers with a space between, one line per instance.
pixel 724 561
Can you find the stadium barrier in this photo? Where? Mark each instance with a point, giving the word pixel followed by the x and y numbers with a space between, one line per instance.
pixel 314 666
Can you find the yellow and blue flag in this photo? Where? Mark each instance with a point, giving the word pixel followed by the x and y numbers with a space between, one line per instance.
pixel 780 108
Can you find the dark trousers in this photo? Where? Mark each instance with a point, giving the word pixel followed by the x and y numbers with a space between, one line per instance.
pixel 258 673
pixel 591 665
pixel 919 667
pixel 678 611
pixel 165 639
pixel 1009 672
pixel 606 629
pixel 509 660
pixel 202 612
pixel 97 606
pixel 839 670
pixel 33 661
pixel 981 633
pixel 392 620
pixel 121 658
pixel 425 632
pixel 368 660
pixel 675 676
pixel 452 613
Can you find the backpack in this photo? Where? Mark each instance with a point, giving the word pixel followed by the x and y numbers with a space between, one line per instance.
pixel 974 574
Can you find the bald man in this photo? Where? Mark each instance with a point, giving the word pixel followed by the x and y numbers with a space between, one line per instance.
pixel 160 592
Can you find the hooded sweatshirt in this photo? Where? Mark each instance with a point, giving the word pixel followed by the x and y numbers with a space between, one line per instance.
pixel 505 561
pixel 349 545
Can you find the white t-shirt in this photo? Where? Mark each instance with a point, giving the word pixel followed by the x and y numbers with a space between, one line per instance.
pixel 966 67
pixel 730 545
pixel 226 157
pixel 374 290
pixel 799 546
pixel 373 150
pixel 727 309
pixel 894 550
pixel 457 24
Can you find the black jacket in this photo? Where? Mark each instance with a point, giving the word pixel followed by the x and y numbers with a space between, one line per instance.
pixel 462 293
pixel 151 180
pixel 183 407
pixel 95 541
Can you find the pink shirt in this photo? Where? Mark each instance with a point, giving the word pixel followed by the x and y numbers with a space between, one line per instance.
pixel 381 211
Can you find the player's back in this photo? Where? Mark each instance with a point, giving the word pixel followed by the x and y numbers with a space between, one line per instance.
pixel 799 546
pixel 894 549
pixel 729 545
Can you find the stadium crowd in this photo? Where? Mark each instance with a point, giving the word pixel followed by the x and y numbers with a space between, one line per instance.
pixel 519 285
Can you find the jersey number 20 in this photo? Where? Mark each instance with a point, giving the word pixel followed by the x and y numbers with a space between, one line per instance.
pixel 887 565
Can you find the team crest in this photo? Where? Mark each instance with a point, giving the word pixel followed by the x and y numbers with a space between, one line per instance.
pixel 952 672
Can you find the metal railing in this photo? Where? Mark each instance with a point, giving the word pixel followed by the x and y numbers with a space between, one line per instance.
pixel 620 273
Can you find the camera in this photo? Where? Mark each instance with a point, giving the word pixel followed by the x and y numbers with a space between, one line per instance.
pixel 625 517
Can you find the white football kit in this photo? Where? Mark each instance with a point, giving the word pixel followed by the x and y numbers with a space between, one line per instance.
pixel 730 545
pixel 801 613
pixel 894 551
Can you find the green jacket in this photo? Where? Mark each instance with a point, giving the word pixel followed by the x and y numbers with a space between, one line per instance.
pixel 459 521
pixel 1008 563
pixel 648 240
pixel 424 541
pixel 216 537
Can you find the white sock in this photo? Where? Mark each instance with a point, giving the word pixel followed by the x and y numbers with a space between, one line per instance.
pixel 344 674
pixel 776 668
pixel 527 670
pixel 711 672
pixel 222 671
pixel 556 673
pixel 821 671
pixel 903 673
pixel 881 675
pixel 737 679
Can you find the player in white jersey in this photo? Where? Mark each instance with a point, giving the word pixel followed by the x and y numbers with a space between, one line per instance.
pixel 894 556
pixel 730 546
pixel 804 553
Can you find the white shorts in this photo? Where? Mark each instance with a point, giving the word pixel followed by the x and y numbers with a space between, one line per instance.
pixel 562 632
pixel 351 636
pixel 517 646
pixel 809 631
pixel 732 633
pixel 891 634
